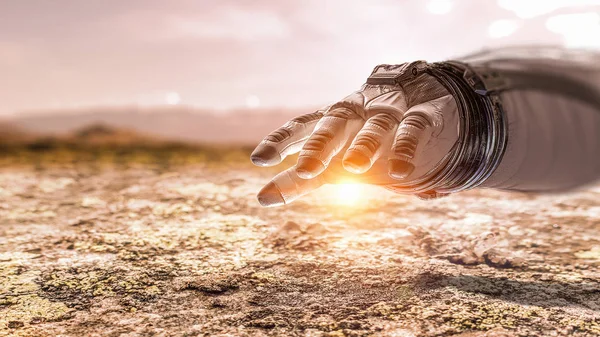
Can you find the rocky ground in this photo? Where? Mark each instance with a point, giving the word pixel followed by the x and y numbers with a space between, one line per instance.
pixel 189 252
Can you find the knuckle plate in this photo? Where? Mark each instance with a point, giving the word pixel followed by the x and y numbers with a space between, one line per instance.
pixel 406 145
pixel 341 112
pixel 369 141
pixel 417 121
pixel 318 140
pixel 407 141
pixel 308 117
pixel 386 74
pixel 384 121
pixel 279 135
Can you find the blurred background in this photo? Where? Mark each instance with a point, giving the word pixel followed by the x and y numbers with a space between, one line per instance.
pixel 105 230
pixel 228 72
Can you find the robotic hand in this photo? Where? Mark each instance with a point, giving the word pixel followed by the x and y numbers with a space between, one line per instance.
pixel 397 131
pixel 521 119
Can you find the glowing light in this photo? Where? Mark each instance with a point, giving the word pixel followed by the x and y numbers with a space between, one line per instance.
pixel 530 9
pixel 172 98
pixel 252 101
pixel 578 30
pixel 348 193
pixel 439 7
pixel 502 28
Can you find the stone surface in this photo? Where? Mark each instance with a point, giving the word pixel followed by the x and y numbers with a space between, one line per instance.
pixel 189 252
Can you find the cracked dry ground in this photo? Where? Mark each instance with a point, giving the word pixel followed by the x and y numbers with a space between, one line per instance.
pixel 189 252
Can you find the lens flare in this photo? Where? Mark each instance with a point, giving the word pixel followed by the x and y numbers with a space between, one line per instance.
pixel 172 98
pixel 348 194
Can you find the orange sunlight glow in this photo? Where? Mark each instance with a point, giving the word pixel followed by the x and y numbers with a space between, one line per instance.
pixel 348 194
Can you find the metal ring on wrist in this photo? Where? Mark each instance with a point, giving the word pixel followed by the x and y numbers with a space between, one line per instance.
pixel 482 132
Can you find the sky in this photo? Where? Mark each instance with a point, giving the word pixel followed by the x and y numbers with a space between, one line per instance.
pixel 222 54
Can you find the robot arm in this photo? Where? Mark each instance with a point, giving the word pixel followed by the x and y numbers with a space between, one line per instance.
pixel 551 100
pixel 524 119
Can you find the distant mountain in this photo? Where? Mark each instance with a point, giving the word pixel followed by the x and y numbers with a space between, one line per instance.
pixel 9 132
pixel 175 123
pixel 102 134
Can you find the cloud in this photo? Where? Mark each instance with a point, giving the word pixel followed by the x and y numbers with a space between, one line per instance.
pixel 230 23
pixel 532 8
pixel 217 52
pixel 577 28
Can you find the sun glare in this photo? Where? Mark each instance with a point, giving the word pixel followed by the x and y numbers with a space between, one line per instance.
pixel 439 7
pixel 172 98
pixel 348 193
pixel 252 101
